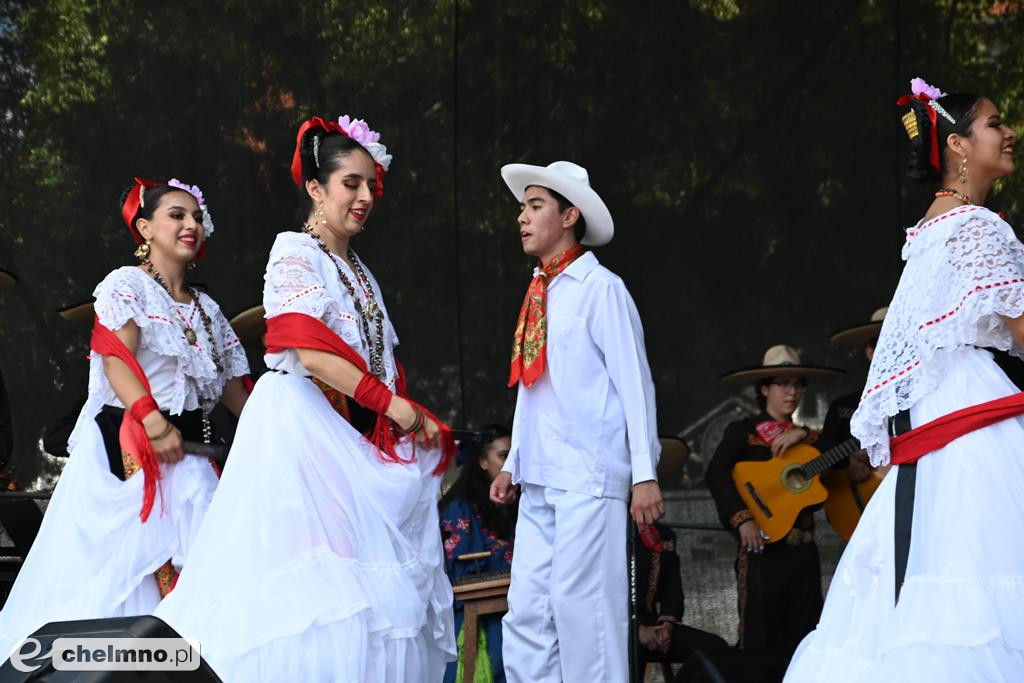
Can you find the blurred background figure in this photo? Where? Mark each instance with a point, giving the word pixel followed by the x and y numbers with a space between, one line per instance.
pixel 662 636
pixel 478 537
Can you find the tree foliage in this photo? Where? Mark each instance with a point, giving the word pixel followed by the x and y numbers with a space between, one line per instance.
pixel 749 151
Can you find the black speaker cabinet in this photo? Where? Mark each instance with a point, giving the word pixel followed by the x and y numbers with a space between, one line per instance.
pixel 122 627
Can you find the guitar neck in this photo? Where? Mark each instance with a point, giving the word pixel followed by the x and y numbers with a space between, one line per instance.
pixel 830 457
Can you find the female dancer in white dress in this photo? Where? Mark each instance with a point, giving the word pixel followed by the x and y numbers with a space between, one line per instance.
pixel 321 558
pixel 113 537
pixel 931 586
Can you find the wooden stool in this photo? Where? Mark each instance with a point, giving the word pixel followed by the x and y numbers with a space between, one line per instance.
pixel 487 594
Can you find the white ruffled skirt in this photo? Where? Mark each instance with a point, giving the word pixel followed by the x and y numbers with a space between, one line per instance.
pixel 960 617
pixel 316 562
pixel 94 557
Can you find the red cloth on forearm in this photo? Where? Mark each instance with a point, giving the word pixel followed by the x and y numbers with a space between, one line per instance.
pixel 143 407
pixel 931 436
pixel 132 436
pixel 373 394
pixel 300 331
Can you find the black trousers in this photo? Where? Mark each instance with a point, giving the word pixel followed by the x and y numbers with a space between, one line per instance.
pixel 780 598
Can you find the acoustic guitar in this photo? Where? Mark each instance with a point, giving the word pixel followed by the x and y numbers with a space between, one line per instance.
pixel 776 490
pixel 846 500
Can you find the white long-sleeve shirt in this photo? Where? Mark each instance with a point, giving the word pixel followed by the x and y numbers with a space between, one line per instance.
pixel 588 424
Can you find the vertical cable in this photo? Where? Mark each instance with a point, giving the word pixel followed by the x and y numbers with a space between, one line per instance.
pixel 455 209
pixel 897 64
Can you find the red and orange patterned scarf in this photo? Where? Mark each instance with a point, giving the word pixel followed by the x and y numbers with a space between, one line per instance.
pixel 531 337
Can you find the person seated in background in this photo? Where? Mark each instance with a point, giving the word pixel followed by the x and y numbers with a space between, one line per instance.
pixel 663 636
pixel 471 524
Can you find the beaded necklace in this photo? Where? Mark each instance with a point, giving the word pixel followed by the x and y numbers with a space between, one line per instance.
pixel 370 313
pixel 192 339
pixel 950 192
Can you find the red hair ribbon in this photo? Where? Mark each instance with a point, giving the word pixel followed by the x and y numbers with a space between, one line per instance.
pixel 132 203
pixel 327 127
pixel 933 155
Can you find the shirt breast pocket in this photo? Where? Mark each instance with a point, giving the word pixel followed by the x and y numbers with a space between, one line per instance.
pixel 568 335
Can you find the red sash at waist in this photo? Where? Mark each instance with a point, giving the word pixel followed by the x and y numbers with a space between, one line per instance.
pixel 920 441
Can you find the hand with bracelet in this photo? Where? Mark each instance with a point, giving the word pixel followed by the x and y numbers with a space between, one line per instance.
pixel 164 437
pixel 413 421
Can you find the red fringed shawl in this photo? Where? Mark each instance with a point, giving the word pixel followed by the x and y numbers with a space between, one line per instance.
pixel 300 331
pixel 132 437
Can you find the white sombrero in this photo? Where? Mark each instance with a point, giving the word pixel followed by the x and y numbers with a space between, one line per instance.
pixel 780 361
pixel 572 182
pixel 859 335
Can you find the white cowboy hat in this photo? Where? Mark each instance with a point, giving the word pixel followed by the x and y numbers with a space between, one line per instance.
pixel 857 336
pixel 572 182
pixel 780 361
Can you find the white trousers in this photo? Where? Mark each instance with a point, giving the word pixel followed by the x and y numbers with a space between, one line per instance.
pixel 567 606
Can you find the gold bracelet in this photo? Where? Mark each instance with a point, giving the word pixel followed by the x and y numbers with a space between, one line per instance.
pixel 170 426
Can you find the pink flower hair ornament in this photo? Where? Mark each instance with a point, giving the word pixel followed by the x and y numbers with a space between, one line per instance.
pixel 198 194
pixel 928 94
pixel 355 129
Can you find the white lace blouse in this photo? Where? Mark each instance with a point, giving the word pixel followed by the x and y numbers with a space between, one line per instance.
pixel 965 269
pixel 301 278
pixel 181 375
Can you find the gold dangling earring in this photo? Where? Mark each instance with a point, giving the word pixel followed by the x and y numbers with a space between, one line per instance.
pixel 142 252
pixel 321 217
pixel 962 170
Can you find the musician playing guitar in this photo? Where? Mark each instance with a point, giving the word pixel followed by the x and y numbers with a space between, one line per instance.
pixel 849 474
pixel 778 583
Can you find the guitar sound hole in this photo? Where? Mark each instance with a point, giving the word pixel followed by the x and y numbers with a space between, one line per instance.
pixel 796 479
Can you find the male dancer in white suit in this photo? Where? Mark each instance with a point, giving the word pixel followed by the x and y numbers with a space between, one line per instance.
pixel 584 437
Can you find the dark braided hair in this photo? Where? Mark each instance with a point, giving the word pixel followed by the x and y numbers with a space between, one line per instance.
pixel 963 108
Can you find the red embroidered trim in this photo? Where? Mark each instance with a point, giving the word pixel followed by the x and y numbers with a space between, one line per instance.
pixel 899 374
pixel 956 310
pixel 294 297
pixel 979 288
pixel 232 343
pixel 160 318
pixel 914 232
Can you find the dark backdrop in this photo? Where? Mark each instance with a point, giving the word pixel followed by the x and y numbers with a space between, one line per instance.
pixel 750 153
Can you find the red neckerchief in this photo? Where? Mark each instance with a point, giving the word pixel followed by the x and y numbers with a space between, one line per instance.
pixel 769 430
pixel 300 331
pixel 132 436
pixel 650 537
pixel 529 355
